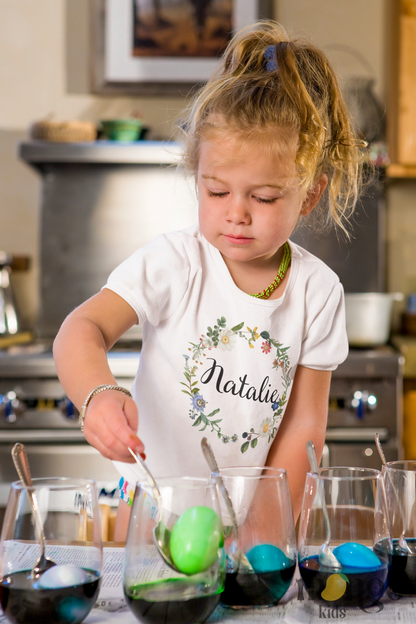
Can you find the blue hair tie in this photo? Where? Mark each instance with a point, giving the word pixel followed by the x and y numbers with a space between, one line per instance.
pixel 271 58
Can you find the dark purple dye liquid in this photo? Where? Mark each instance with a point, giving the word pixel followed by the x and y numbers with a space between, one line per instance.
pixel 256 590
pixel 403 570
pixel 23 603
pixel 364 587
pixel 149 607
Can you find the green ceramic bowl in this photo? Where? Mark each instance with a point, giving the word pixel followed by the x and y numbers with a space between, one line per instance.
pixel 122 129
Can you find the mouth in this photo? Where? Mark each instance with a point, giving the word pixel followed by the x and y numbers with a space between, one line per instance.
pixel 237 240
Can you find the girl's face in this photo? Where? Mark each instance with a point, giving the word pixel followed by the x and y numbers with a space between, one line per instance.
pixel 249 201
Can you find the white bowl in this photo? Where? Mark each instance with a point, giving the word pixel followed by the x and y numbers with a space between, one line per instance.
pixel 368 317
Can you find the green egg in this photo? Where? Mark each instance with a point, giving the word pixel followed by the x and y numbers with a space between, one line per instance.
pixel 195 540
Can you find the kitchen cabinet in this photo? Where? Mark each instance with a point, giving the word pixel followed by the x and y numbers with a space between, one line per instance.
pixel 401 64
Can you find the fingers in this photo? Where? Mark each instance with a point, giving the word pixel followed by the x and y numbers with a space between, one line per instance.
pixel 132 414
pixel 109 453
pixel 110 426
pixel 113 451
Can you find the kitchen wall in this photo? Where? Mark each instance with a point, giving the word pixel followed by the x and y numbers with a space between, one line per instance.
pixel 44 70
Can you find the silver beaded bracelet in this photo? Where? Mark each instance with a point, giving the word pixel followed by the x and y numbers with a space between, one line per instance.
pixel 92 394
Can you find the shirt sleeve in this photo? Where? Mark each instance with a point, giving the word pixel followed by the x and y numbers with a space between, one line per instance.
pixel 325 344
pixel 154 279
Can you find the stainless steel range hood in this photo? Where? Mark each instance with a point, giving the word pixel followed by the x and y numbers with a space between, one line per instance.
pixel 99 203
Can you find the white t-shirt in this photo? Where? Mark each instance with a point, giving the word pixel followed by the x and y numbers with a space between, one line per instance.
pixel 215 361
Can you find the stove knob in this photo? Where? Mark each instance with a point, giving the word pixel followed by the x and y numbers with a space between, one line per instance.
pixel 11 406
pixel 362 402
pixel 68 409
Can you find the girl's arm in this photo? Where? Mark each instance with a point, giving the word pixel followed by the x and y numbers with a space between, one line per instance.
pixel 80 353
pixel 305 419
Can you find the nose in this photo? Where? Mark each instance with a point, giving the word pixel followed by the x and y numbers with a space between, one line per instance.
pixel 238 211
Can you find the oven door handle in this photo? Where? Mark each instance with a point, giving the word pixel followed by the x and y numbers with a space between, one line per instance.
pixel 41 435
pixel 361 434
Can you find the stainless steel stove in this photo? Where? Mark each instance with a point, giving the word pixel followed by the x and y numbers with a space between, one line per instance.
pixel 35 410
pixel 365 398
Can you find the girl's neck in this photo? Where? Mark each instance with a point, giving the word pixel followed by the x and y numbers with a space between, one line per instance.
pixel 255 276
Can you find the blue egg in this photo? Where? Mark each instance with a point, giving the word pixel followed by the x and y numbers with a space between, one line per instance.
pixel 62 576
pixel 267 558
pixel 353 555
pixel 73 609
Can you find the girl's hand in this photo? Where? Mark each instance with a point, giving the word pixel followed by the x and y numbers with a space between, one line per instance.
pixel 110 425
pixel 80 351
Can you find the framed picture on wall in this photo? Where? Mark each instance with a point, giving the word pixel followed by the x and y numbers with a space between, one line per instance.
pixel 159 47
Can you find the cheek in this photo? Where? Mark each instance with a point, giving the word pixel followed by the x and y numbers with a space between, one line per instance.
pixel 205 219
pixel 282 221
pixel 202 211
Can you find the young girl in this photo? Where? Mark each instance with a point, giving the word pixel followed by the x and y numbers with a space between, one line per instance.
pixel 241 327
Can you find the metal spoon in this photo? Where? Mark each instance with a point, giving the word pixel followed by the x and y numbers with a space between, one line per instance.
pixel 161 534
pixel 234 555
pixel 21 463
pixel 403 545
pixel 326 556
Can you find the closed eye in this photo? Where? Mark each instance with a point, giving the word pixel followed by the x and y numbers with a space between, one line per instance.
pixel 212 194
pixel 263 200
pixel 260 200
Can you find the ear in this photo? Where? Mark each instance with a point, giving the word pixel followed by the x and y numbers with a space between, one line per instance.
pixel 314 195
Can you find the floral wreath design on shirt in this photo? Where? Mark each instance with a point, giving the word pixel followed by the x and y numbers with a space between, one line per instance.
pixel 223 338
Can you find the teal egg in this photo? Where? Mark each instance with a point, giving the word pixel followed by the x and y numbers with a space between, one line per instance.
pixel 195 540
pixel 354 555
pixel 267 558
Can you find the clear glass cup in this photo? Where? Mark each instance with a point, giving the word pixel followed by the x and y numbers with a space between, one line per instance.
pixel 266 537
pixel 67 591
pixel 400 482
pixel 360 540
pixel 155 592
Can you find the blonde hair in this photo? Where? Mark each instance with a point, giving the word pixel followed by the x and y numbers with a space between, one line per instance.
pixel 300 95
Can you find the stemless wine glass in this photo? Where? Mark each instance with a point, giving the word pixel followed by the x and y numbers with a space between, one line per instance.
pixel 266 537
pixel 359 537
pixel 400 482
pixel 191 526
pixel 65 592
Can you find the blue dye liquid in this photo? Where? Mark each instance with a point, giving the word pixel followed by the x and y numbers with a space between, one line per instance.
pixel 23 602
pixel 403 570
pixel 364 586
pixel 265 585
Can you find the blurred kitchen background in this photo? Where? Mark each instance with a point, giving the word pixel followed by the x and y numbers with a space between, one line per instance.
pixel 45 69
pixel 48 71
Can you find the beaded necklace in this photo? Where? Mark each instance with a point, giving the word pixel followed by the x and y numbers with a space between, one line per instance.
pixel 284 265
